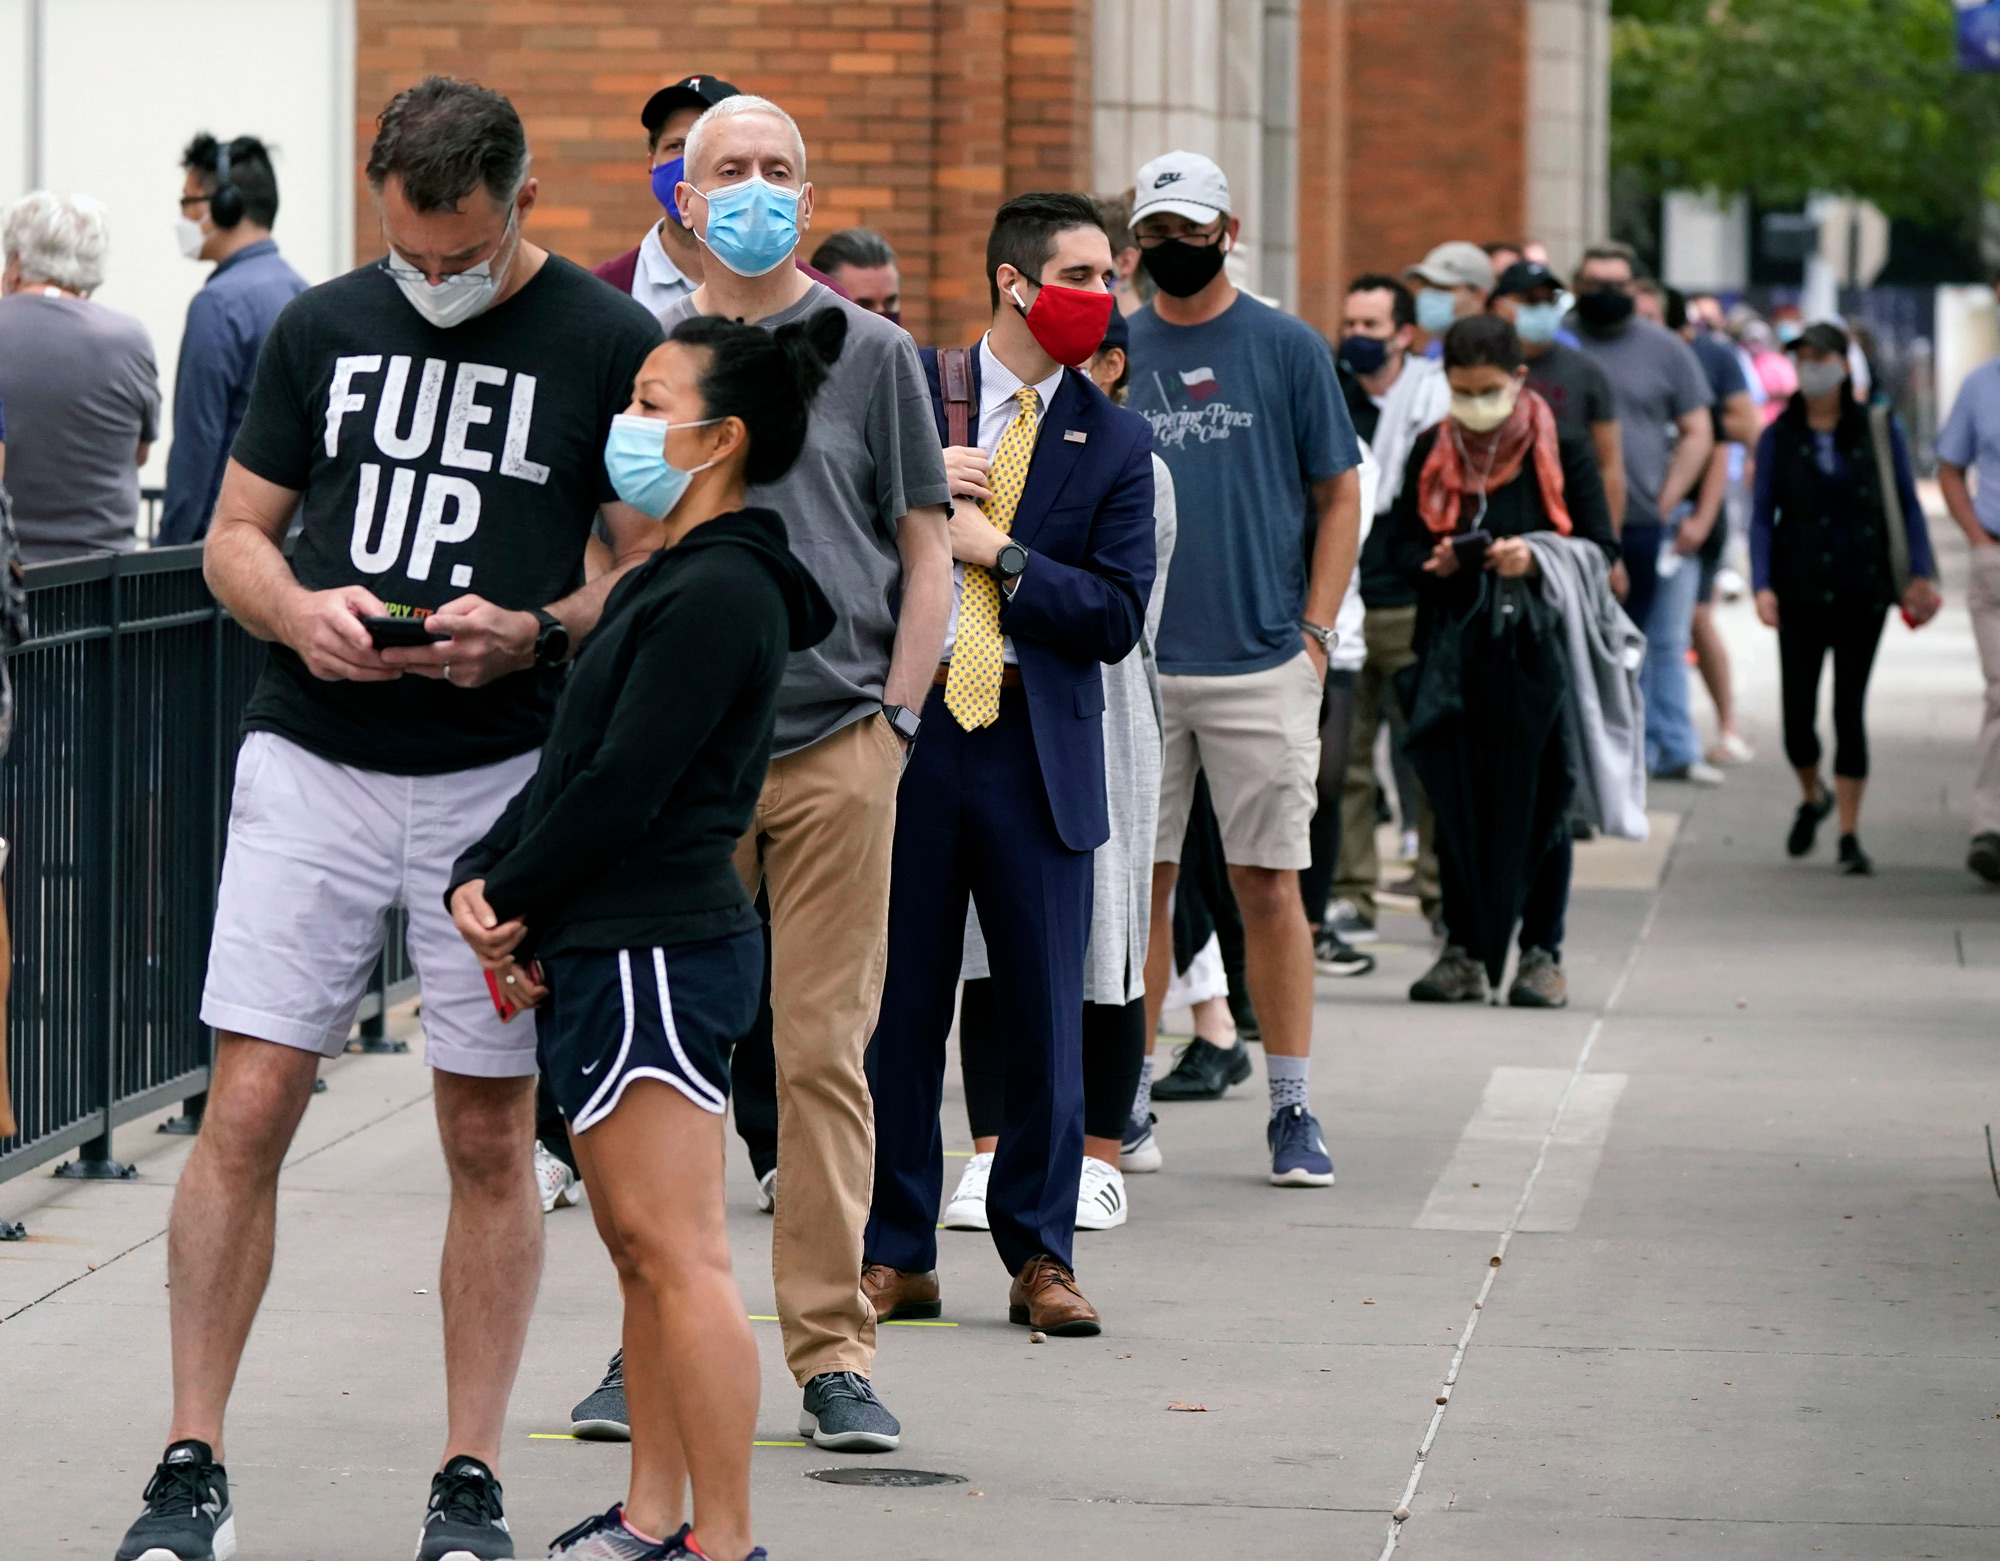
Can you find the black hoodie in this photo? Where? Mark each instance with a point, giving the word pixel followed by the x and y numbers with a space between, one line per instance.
pixel 657 751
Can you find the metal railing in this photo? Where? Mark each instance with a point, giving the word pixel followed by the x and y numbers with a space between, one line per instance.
pixel 129 694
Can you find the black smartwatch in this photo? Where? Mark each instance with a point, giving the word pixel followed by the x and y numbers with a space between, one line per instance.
pixel 1012 563
pixel 551 639
pixel 903 721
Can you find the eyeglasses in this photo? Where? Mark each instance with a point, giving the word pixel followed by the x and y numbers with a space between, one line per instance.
pixel 194 200
pixel 476 275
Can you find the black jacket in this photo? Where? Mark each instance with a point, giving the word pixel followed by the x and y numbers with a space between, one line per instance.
pixel 1829 538
pixel 657 751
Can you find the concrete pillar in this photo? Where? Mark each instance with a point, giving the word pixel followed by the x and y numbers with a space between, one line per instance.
pixel 1568 126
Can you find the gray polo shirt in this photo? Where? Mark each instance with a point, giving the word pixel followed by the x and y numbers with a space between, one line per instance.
pixel 82 395
pixel 872 455
pixel 1656 378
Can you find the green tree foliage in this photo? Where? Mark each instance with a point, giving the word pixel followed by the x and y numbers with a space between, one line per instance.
pixel 1784 98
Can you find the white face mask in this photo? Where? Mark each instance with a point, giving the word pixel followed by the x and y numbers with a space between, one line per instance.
pixel 1483 414
pixel 460 296
pixel 189 235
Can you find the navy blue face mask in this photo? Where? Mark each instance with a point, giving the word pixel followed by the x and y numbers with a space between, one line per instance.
pixel 665 177
pixel 1364 354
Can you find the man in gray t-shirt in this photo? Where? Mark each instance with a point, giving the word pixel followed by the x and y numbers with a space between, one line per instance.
pixel 83 405
pixel 865 507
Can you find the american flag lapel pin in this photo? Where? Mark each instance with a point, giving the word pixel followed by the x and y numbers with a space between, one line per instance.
pixel 1075 436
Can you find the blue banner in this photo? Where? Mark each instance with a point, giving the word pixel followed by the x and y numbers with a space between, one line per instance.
pixel 1978 34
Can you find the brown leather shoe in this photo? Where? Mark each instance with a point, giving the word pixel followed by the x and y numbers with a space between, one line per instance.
pixel 1044 1295
pixel 897 1295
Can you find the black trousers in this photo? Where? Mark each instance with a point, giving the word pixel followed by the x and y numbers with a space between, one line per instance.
pixel 1544 913
pixel 1114 1049
pixel 1806 634
pixel 1336 729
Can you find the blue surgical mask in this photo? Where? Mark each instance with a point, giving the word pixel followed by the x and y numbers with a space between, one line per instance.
pixel 641 474
pixel 1538 322
pixel 665 178
pixel 753 227
pixel 1435 310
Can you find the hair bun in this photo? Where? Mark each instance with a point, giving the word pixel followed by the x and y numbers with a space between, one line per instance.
pixel 812 346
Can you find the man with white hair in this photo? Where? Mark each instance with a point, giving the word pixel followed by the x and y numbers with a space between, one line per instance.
pixel 866 506
pixel 78 381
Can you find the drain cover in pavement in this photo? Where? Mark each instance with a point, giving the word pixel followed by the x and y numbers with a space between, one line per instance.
pixel 853 1476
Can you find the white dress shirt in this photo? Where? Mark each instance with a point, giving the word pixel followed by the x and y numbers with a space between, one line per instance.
pixel 657 282
pixel 997 408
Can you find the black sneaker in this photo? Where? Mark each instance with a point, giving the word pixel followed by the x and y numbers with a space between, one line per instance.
pixel 465 1522
pixel 1854 861
pixel 1984 857
pixel 1204 1072
pixel 188 1514
pixel 601 1417
pixel 842 1414
pixel 1331 957
pixel 1806 822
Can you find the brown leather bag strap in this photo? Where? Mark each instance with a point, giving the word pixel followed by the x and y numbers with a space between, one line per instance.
pixel 955 375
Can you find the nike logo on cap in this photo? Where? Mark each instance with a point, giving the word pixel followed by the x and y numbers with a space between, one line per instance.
pixel 1166 178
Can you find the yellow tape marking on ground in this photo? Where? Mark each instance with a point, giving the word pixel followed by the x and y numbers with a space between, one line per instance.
pixel 777 1444
pixel 917 1322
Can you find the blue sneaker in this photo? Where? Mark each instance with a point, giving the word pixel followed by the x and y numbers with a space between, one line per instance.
pixel 1298 1152
pixel 606 1538
pixel 843 1415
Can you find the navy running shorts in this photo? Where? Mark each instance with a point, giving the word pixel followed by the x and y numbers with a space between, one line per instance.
pixel 672 1014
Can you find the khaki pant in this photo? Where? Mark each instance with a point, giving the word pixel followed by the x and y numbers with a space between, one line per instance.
pixel 821 844
pixel 1390 634
pixel 1982 599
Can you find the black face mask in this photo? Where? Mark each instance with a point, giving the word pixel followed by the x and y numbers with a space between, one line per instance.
pixel 1364 354
pixel 1605 309
pixel 1180 268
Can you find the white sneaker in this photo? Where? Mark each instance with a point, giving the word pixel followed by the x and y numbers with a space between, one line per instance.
pixel 558 1183
pixel 1408 851
pixel 967 1209
pixel 1730 749
pixel 767 1192
pixel 1100 1197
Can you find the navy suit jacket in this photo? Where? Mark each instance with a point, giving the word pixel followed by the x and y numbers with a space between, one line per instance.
pixel 1086 519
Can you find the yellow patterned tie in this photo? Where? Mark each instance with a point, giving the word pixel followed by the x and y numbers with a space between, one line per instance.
pixel 972 693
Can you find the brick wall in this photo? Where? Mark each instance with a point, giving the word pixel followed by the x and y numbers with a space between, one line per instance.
pixel 919 117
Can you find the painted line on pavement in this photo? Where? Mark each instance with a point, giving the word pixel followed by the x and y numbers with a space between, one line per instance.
pixel 1479 1184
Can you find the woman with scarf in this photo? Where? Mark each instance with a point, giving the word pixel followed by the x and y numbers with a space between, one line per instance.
pixel 1836 539
pixel 1486 730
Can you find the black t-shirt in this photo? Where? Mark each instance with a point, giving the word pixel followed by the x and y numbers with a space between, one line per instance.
pixel 435 463
pixel 1575 387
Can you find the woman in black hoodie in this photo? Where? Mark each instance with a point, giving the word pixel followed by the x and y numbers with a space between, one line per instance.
pixel 605 895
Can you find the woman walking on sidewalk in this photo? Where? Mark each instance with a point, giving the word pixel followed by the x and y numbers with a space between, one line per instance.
pixel 1836 539
pixel 606 894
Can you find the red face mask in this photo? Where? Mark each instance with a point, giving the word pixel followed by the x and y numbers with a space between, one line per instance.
pixel 1068 322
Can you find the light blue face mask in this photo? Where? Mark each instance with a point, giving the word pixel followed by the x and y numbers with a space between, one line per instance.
pixel 753 227
pixel 1434 310
pixel 1538 322
pixel 641 474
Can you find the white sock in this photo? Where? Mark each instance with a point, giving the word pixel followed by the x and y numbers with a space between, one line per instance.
pixel 1143 1101
pixel 1287 1076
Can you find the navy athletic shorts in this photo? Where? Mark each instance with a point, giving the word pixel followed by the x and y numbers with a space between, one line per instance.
pixel 671 1014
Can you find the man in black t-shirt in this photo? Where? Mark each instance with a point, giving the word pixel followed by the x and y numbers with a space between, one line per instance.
pixel 437 420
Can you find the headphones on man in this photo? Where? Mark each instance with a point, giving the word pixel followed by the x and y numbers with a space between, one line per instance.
pixel 225 204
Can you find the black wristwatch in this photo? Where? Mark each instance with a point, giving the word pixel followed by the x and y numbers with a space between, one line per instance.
pixel 1012 563
pixel 551 639
pixel 903 721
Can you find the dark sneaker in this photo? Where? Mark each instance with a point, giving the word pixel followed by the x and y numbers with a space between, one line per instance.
pixel 1331 957
pixel 465 1522
pixel 1139 1150
pixel 1539 982
pixel 685 1546
pixel 606 1538
pixel 1854 861
pixel 1984 857
pixel 1456 978
pixel 1298 1152
pixel 1806 822
pixel 188 1515
pixel 601 1417
pixel 1204 1072
pixel 843 1415
pixel 1347 923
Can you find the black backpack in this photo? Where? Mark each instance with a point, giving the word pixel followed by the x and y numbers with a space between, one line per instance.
pixel 13 614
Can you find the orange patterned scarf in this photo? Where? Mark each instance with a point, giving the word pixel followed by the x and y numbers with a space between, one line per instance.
pixel 1452 470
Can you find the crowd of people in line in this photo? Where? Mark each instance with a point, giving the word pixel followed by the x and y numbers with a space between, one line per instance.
pixel 753 696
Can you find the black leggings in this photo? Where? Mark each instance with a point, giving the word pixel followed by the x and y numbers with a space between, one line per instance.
pixel 1805 635
pixel 1114 1047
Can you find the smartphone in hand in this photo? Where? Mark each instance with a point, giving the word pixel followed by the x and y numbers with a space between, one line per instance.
pixel 504 1004
pixel 1470 548
pixel 402 633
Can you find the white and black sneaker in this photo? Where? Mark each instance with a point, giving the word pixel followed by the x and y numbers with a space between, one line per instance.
pixel 188 1514
pixel 1139 1150
pixel 1100 1196
pixel 465 1522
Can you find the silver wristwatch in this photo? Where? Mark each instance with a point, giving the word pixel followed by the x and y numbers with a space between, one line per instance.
pixel 1326 637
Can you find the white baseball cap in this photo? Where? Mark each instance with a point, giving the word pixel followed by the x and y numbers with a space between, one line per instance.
pixel 1184 183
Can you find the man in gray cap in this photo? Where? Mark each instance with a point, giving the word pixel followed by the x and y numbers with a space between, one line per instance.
pixel 1452 282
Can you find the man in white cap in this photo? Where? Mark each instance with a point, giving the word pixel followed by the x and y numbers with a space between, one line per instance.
pixel 1452 282
pixel 1248 414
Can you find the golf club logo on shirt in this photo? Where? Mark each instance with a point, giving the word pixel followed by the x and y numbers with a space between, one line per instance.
pixel 1194 410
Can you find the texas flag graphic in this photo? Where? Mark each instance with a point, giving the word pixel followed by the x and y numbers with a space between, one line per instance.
pixel 1200 383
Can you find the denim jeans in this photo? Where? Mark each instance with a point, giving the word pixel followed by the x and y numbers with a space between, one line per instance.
pixel 1671 743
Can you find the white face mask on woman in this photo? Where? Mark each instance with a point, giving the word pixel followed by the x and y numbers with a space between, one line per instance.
pixel 1816 379
pixel 1483 414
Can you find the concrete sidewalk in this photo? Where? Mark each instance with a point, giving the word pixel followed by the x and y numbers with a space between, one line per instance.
pixel 1726 1324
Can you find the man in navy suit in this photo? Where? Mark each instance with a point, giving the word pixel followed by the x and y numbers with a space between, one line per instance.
pixel 1003 799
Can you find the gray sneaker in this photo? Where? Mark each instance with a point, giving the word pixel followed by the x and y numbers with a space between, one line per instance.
pixel 1345 921
pixel 1456 978
pixel 1539 982
pixel 843 1415
pixel 606 1538
pixel 601 1417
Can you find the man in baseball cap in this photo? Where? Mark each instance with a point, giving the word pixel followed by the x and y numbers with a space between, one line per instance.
pixel 1453 282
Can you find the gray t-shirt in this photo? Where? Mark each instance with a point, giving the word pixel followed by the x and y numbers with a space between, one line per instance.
pixel 82 395
pixel 1656 378
pixel 872 455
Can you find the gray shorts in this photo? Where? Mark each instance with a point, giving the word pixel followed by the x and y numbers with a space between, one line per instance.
pixel 1257 738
